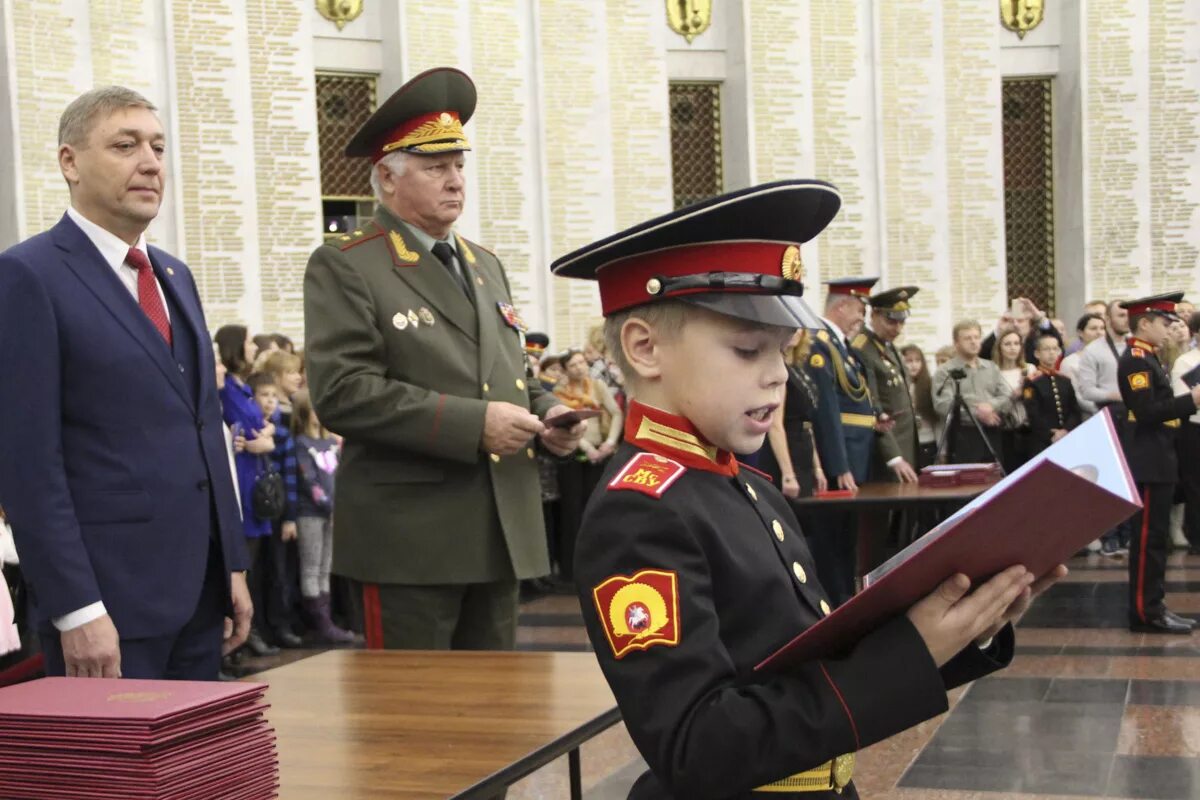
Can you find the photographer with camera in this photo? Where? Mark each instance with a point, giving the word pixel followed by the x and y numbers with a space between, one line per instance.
pixel 987 395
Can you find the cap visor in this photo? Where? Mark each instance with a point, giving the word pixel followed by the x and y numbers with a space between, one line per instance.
pixel 785 311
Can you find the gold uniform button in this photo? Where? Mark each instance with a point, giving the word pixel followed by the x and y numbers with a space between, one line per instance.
pixel 529 452
pixel 520 384
pixel 486 388
pixel 825 608
pixel 799 572
pixel 778 529
pixel 495 458
pixel 753 494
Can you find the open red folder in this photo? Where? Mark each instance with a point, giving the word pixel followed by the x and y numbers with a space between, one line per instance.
pixel 1038 517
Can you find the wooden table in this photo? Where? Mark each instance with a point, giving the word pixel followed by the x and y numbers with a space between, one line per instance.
pixel 413 724
pixel 874 500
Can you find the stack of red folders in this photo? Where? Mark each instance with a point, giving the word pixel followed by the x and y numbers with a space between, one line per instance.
pixel 104 739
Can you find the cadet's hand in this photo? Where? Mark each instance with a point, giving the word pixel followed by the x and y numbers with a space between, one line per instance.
pixel 1196 394
pixel 1018 607
pixel 950 619
pixel 1057 433
pixel 93 650
pixel 238 628
pixel 846 481
pixel 789 486
pixel 239 444
pixel 267 431
pixel 287 531
pixel 507 428
pixel 884 423
pixel 821 483
pixel 904 471
pixel 562 441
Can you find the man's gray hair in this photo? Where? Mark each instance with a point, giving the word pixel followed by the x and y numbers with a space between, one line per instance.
pixel 397 164
pixel 835 299
pixel 76 122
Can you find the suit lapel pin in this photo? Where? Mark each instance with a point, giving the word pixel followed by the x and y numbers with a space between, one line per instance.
pixel 170 270
pixel 426 315
pixel 413 318
pixel 399 321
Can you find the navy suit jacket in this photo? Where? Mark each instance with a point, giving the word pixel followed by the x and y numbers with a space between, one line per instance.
pixel 113 464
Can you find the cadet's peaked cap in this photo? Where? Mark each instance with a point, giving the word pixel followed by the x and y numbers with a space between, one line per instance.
pixel 1161 304
pixel 536 343
pixel 425 115
pixel 737 254
pixel 894 302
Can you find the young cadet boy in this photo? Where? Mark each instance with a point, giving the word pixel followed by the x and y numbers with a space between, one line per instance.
pixel 1153 418
pixel 1049 397
pixel 692 568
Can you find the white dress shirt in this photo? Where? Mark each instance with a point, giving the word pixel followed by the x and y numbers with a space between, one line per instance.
pixel 113 250
pixel 1184 364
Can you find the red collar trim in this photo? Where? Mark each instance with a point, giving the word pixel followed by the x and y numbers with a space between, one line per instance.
pixel 1045 371
pixel 656 431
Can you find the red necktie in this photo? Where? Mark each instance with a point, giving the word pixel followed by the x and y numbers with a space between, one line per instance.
pixel 148 297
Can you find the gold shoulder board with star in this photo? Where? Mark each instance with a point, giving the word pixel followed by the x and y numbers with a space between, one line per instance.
pixel 348 240
pixel 859 341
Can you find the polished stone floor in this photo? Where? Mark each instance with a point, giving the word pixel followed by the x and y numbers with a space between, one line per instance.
pixel 1087 709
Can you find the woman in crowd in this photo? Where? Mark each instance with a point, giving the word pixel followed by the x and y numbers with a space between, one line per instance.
pixel 578 475
pixel 1009 355
pixel 790 457
pixel 920 386
pixel 1088 329
pixel 245 420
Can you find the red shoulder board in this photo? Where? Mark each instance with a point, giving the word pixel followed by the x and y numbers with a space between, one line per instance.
pixel 1137 352
pixel 640 610
pixel 759 472
pixel 647 473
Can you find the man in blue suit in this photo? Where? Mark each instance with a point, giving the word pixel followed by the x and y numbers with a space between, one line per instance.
pixel 114 470
pixel 845 428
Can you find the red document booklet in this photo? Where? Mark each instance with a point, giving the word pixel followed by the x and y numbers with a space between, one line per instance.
pixel 1038 517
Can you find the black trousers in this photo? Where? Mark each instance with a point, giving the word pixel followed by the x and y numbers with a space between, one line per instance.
pixel 833 539
pixel 1148 552
pixel 966 446
pixel 576 480
pixel 1188 444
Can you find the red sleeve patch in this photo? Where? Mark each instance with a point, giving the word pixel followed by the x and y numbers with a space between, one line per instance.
pixel 640 610
pixel 647 473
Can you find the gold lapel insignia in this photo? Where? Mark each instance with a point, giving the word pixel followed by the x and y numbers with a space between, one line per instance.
pixel 400 248
pixel 413 318
pixel 399 320
pixel 466 251
pixel 170 270
pixel 479 280
pixel 426 315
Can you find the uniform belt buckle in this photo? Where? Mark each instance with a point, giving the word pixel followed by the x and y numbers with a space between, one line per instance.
pixel 832 775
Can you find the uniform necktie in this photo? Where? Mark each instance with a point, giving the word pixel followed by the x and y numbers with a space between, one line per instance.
pixel 445 254
pixel 147 289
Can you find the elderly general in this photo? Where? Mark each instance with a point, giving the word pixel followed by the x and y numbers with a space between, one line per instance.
pixel 415 355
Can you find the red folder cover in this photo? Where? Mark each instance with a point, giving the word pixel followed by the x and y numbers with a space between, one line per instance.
pixel 118 701
pixel 1038 517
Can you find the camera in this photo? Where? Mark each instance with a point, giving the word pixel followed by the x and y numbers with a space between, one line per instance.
pixel 958 373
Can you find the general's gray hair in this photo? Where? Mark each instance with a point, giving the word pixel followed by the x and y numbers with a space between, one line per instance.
pixel 397 164
pixel 76 122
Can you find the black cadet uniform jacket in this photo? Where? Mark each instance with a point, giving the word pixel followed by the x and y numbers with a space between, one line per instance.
pixel 692 570
pixel 1050 404
pixel 1153 414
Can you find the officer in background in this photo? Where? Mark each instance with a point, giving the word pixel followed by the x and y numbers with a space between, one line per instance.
pixel 845 425
pixel 897 446
pixel 1148 437
pixel 415 355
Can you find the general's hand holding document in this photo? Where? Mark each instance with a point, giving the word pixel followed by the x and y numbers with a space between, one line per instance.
pixel 1038 517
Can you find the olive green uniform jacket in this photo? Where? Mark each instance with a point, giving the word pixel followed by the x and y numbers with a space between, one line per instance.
pixel 402 364
pixel 889 387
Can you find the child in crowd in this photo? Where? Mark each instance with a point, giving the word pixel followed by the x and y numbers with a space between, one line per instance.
pixel 316 461
pixel 692 569
pixel 1049 397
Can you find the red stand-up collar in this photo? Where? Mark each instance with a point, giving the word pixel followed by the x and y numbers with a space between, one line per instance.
pixel 1044 371
pixel 675 437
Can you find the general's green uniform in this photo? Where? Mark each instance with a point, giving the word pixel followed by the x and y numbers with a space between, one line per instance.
pixel 889 384
pixel 403 362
